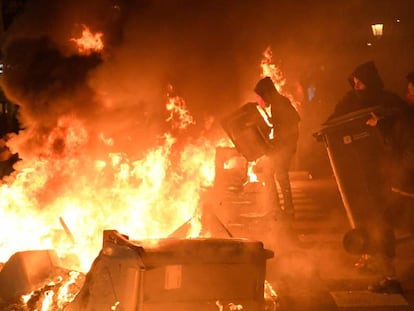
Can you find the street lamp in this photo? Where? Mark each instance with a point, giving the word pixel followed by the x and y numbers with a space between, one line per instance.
pixel 377 30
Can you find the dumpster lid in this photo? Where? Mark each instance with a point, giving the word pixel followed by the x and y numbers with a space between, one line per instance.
pixel 203 250
pixel 155 252
pixel 354 115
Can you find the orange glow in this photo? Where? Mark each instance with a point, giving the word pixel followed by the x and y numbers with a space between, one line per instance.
pixel 250 172
pixel 179 116
pixel 89 42
pixel 269 69
pixel 64 200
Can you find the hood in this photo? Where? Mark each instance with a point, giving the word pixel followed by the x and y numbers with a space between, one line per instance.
pixel 367 73
pixel 265 88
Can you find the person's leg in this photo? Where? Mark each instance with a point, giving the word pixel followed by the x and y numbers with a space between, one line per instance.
pixel 383 253
pixel 282 164
pixel 265 173
pixel 285 188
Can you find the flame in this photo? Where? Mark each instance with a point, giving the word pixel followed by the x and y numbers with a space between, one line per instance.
pixel 179 115
pixel 48 300
pixel 64 198
pixel 55 295
pixel 64 294
pixel 251 173
pixel 271 296
pixel 89 42
pixel 269 69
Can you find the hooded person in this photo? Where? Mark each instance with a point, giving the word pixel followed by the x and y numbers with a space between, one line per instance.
pixel 402 163
pixel 368 92
pixel 285 133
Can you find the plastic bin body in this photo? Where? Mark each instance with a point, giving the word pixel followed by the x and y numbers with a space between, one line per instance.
pixel 248 131
pixel 26 271
pixel 357 152
pixel 175 274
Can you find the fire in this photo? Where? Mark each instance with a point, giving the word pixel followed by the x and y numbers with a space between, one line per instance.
pixel 64 198
pixel 55 295
pixel 179 115
pixel 269 69
pixel 89 42
pixel 251 173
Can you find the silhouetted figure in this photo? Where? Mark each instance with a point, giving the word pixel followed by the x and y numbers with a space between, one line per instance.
pixel 368 91
pixel 402 156
pixel 285 122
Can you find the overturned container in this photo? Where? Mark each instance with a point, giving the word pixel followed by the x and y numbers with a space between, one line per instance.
pixel 174 274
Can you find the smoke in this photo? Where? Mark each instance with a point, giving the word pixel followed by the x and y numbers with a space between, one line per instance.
pixel 45 83
pixel 120 92
pixel 210 51
pixel 111 92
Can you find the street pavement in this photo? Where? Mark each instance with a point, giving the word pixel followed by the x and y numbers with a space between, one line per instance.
pixel 310 269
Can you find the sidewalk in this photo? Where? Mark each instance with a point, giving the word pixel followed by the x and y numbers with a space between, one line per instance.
pixel 310 269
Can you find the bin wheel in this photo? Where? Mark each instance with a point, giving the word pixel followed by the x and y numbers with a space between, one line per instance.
pixel 356 241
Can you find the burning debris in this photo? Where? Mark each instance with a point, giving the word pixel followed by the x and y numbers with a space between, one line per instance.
pixel 90 160
pixel 35 280
pixel 73 182
pixel 71 179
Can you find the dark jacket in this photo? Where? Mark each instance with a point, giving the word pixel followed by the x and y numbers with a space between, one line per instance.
pixel 387 104
pixel 402 146
pixel 285 119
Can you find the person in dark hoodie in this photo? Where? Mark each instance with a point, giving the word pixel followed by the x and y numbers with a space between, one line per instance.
pixel 285 131
pixel 402 167
pixel 368 91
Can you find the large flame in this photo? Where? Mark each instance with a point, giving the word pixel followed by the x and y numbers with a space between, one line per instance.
pixel 64 197
pixel 64 202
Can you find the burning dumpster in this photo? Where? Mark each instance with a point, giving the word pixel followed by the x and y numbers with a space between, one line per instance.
pixel 356 151
pixel 174 274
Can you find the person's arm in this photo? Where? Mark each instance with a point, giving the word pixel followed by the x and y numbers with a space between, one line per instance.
pixel 344 106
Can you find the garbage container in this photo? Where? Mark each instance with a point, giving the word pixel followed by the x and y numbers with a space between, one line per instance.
pixel 175 274
pixel 248 131
pixel 356 153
